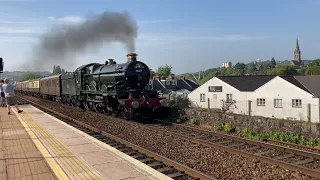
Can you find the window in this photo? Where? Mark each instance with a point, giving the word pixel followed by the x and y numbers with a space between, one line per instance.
pixel 202 98
pixel 214 96
pixel 261 102
pixel 277 103
pixel 173 83
pixel 229 97
pixel 296 103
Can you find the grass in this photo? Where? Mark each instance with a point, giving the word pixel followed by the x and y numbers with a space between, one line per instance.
pixel 281 136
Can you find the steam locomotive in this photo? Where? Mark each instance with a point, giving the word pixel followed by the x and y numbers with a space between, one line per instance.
pixel 115 89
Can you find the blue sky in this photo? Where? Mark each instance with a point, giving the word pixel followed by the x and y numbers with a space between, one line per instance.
pixel 190 35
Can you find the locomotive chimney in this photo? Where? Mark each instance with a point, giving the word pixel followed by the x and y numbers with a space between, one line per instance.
pixel 110 61
pixel 132 57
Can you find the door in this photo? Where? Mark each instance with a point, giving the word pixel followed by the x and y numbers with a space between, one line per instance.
pixel 213 103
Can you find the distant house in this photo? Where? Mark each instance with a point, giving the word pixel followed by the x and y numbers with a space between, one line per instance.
pixel 287 97
pixel 220 91
pixel 172 85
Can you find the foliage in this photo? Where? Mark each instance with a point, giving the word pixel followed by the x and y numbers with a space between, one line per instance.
pixel 178 102
pixel 194 121
pixel 273 62
pixel 313 68
pixel 152 73
pixel 269 67
pixel 164 71
pixel 57 70
pixel 225 127
pixel 281 136
pixel 29 76
pixel 282 70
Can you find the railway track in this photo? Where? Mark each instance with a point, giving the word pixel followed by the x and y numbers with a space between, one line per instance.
pixel 304 162
pixel 162 164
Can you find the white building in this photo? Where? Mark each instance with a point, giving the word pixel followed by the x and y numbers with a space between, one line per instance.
pixel 227 65
pixel 285 97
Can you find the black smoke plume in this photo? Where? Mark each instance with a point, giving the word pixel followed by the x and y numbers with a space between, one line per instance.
pixel 63 43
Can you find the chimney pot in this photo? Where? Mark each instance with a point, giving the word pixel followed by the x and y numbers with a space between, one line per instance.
pixel 132 56
pixel 110 61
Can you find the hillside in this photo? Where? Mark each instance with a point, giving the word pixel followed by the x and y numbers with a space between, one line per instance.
pixel 253 68
pixel 17 75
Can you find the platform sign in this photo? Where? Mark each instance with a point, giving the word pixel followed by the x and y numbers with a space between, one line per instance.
pixel 1 65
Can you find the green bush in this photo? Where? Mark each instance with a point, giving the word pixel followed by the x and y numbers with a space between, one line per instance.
pixel 179 102
pixel 281 136
pixel 224 127
pixel 219 126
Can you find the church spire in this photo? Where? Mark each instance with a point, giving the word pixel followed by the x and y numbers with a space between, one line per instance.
pixel 297 53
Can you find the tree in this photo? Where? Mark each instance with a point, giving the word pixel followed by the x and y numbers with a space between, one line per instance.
pixel 273 62
pixel 164 71
pixel 207 78
pixel 282 70
pixel 56 70
pixel 252 67
pixel 240 68
pixel 152 74
pixel 29 76
pixel 313 68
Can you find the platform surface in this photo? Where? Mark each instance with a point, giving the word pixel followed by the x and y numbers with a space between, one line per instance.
pixel 20 158
pixel 72 154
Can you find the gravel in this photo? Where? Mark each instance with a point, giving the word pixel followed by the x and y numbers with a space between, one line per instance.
pixel 304 148
pixel 208 160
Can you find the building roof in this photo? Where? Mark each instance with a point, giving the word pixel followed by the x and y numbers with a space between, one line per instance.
pixel 246 83
pixel 295 62
pixel 294 81
pixel 310 83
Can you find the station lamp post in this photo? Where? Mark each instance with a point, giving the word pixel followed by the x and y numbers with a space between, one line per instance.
pixel 1 66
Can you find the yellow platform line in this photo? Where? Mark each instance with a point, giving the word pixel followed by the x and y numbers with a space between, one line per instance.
pixel 59 173
pixel 74 165
pixel 70 163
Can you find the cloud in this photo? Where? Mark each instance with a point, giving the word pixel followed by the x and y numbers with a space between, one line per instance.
pixel 19 30
pixel 157 21
pixel 16 39
pixel 67 19
pixel 17 22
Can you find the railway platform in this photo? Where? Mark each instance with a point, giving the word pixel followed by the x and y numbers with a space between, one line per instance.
pixel 36 145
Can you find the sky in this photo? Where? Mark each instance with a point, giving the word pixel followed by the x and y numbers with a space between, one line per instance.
pixel 189 35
